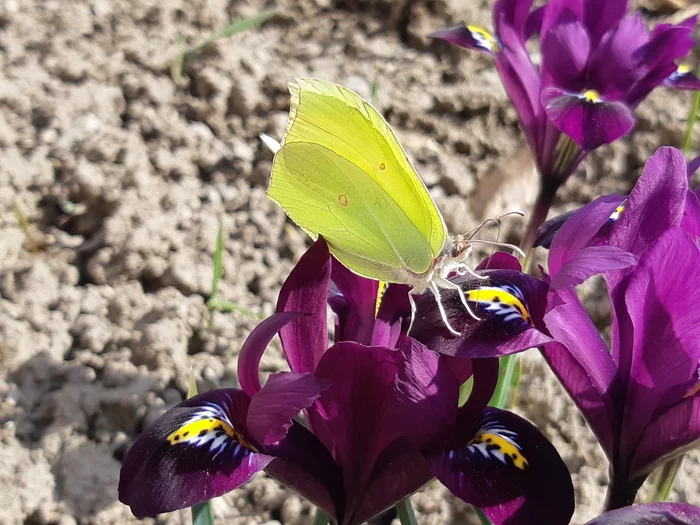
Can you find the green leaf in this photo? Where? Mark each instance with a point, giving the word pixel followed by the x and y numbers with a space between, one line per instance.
pixel 483 518
pixel 321 517
pixel 218 267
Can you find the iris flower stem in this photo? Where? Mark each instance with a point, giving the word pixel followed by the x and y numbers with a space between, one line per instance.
pixel 621 492
pixel 321 517
pixel 545 197
pixel 665 478
pixel 405 512
pixel 483 518
pixel 692 116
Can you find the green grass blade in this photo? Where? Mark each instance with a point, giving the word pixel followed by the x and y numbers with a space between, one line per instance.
pixel 202 513
pixel 483 518
pixel 509 371
pixel 692 116
pixel 237 26
pixel 405 511
pixel 228 306
pixel 218 266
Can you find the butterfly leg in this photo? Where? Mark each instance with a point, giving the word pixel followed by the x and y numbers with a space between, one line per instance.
pixel 443 315
pixel 413 310
pixel 444 283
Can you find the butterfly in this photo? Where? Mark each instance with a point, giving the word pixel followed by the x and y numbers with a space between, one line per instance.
pixel 341 173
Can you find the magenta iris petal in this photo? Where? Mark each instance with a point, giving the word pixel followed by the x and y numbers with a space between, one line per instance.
pixel 665 316
pixel 602 15
pixel 306 291
pixel 652 514
pixel 673 433
pixel 565 52
pixel 613 67
pixel 507 304
pixel 195 451
pixel 655 204
pixel 278 402
pixel 591 261
pixel 394 311
pixel 584 365
pixel 589 123
pixel 254 347
pixel 510 470
pixel 579 229
pixel 691 214
pixel 464 37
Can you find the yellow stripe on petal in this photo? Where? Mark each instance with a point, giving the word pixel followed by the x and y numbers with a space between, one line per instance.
pixel 204 430
pixel 380 295
pixel 483 38
pixel 502 445
pixel 501 301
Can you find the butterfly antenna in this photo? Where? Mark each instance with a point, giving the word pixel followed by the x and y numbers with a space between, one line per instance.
pixel 501 245
pixel 470 234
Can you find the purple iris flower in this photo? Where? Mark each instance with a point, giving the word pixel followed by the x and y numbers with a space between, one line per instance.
pixel 641 396
pixel 382 416
pixel 597 65
pixel 651 513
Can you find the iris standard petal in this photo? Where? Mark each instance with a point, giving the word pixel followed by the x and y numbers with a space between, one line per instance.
pixel 691 214
pixel 508 304
pixel 254 347
pixel 358 410
pixel 666 345
pixel 510 470
pixel 565 52
pixel 306 291
pixel 602 15
pixel 655 204
pixel 359 295
pixel 614 66
pixel 579 229
pixel 586 117
pixel 666 513
pixel 197 450
pixel 671 434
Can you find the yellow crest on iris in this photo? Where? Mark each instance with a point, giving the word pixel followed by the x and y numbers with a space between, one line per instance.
pixel 341 173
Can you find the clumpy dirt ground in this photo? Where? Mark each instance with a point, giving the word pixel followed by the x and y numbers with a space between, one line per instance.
pixel 122 175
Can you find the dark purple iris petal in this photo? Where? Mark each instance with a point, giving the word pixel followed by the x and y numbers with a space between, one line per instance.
pixel 195 451
pixel 508 305
pixel 510 470
pixel 273 407
pixel 602 15
pixel 356 319
pixel 254 347
pixel 683 78
pixel 306 291
pixel 589 121
pixel 651 514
